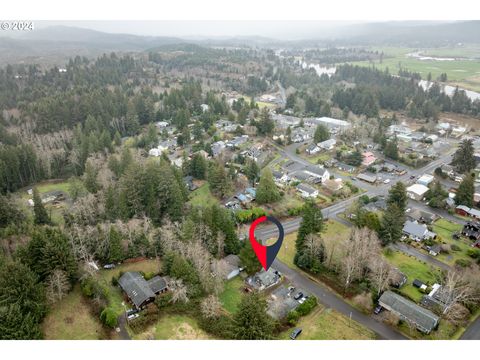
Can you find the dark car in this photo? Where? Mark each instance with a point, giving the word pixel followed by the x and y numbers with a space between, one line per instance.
pixel 298 296
pixel 295 333
pixel 131 312
pixel 378 309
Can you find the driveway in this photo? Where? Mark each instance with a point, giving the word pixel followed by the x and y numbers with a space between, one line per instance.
pixel 122 323
pixel 420 256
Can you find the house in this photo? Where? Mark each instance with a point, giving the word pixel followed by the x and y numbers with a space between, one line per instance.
pixel 432 138
pixel 417 191
pixel 423 319
pixel 471 230
pixel 229 265
pixel 423 217
pixel 140 291
pixel 237 141
pixel 217 148
pixel 435 249
pixel 345 167
pixel 368 178
pixel 312 149
pixel 161 124
pixel 251 192
pixel 318 172
pixel 188 180
pixel 462 210
pixel 474 213
pixel 425 179
pixel 418 136
pixel 329 122
pixel 307 191
pixel 417 232
pixel 327 144
pixel 264 279
pixel 279 177
pixel 458 131
pixel 398 278
pixel 368 158
pixel 448 170
pixel 399 130
pixel 333 184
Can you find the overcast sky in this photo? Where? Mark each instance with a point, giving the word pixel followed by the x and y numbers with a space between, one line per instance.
pixel 271 29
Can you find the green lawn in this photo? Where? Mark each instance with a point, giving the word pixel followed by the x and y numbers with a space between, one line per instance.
pixel 463 72
pixel 413 269
pixel 232 294
pixel 317 159
pixel 203 196
pixel 328 324
pixel 72 319
pixel 445 229
pixel 174 327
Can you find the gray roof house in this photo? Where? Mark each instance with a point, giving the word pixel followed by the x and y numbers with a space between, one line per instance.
pixel 423 319
pixel 264 279
pixel 139 291
pixel 416 231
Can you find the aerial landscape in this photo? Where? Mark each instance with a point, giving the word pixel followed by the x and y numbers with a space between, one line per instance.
pixel 133 166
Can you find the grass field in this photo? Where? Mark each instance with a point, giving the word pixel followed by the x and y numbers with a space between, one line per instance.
pixel 465 73
pixel 174 327
pixel 71 319
pixel 232 294
pixel 413 269
pixel 327 324
pixel 203 196
pixel 445 230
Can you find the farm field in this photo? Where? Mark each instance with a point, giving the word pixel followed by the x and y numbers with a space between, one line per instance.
pixel 465 73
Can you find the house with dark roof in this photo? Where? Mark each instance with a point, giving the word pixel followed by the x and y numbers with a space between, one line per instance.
pixel 423 319
pixel 421 216
pixel 417 232
pixel 139 291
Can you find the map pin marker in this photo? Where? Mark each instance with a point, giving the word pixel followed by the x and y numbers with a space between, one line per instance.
pixel 266 254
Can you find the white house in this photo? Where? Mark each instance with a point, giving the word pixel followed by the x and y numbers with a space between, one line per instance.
pixel 312 149
pixel 307 191
pixel 327 144
pixel 425 179
pixel 417 191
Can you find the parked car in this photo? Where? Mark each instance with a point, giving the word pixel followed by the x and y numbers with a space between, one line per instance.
pixel 133 316
pixel 378 309
pixel 302 300
pixel 291 289
pixel 386 181
pixel 131 312
pixel 298 296
pixel 109 266
pixel 295 333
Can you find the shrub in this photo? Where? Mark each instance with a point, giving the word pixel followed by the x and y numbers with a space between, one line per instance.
pixel 463 263
pixel 293 317
pixel 474 253
pixel 455 247
pixel 307 306
pixel 163 300
pixel 109 317
pixel 114 281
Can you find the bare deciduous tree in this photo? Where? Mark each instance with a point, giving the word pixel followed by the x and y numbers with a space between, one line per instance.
pixel 211 307
pixel 458 288
pixel 179 291
pixel 380 273
pixel 57 286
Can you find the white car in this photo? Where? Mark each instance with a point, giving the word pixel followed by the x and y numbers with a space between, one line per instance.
pixel 386 181
pixel 133 316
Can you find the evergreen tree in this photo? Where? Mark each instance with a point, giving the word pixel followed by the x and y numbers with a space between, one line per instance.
pixel 312 223
pixel 90 178
pixel 252 171
pixel 465 191
pixel 249 259
pixel 265 125
pixel 397 195
pixel 463 159
pixel 41 216
pixel 115 250
pixel 267 191
pixel 392 225
pixel 321 133
pixel 391 150
pixel 251 321
pixel 218 179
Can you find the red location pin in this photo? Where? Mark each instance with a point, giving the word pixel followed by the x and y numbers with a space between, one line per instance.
pixel 266 254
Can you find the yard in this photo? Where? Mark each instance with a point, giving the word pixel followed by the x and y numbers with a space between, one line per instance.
pixel 445 229
pixel 413 269
pixel 114 292
pixel 328 324
pixel 232 294
pixel 203 196
pixel 174 327
pixel 71 319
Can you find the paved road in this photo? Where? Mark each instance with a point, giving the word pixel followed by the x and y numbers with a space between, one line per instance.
pixel 329 299
pixel 122 322
pixel 473 331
